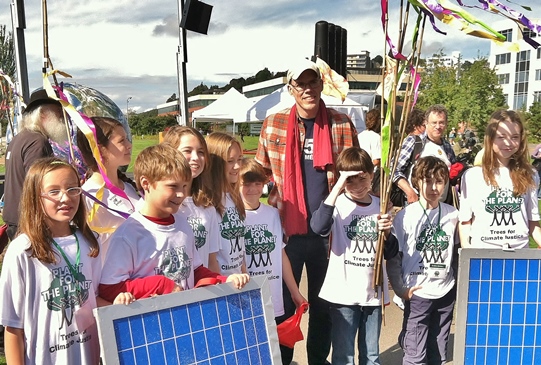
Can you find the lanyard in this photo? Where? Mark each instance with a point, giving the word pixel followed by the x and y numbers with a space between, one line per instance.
pixel 73 269
pixel 426 214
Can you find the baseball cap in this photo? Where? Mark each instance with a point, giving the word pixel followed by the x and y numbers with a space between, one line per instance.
pixel 39 97
pixel 296 70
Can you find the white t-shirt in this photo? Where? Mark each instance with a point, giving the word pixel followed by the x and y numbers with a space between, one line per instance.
pixel 264 244
pixel 102 220
pixel 204 223
pixel 42 299
pixel 433 149
pixel 231 254
pixel 500 217
pixel 349 276
pixel 370 141
pixel 427 250
pixel 141 248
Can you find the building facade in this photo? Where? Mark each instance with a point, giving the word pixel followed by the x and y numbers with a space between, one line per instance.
pixel 519 73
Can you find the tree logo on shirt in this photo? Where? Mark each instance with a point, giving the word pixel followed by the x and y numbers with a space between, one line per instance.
pixel 176 264
pixel 199 231
pixel 502 203
pixel 232 228
pixel 432 243
pixel 66 292
pixel 259 242
pixel 362 229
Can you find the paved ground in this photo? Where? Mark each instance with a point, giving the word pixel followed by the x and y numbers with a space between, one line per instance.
pixel 390 352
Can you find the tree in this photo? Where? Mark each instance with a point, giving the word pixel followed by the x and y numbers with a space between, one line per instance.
pixel 7 65
pixel 470 93
pixel 172 98
pixel 7 53
pixel 533 121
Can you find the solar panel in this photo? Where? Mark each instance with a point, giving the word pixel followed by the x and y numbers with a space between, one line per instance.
pixel 498 307
pixel 215 325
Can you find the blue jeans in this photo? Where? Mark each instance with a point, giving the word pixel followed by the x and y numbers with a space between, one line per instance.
pixel 310 251
pixel 351 320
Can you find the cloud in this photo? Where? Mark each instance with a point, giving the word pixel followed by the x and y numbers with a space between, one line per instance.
pixel 125 48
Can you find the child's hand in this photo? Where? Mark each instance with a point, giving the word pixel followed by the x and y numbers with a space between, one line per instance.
pixel 124 298
pixel 344 176
pixel 410 291
pixel 385 223
pixel 298 299
pixel 238 280
pixel 176 289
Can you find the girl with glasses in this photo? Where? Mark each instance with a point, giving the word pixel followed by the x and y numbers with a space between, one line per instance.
pixel 51 273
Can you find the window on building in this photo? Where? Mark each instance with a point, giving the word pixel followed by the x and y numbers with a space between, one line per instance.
pixel 503 79
pixel 528 33
pixel 503 58
pixel 522 71
pixel 508 33
pixel 538 75
pixel 537 96
pixel 521 76
pixel 520 101
pixel 539 53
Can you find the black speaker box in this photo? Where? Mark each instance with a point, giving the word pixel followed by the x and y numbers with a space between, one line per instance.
pixel 196 16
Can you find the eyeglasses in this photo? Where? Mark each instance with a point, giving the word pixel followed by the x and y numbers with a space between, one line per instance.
pixel 57 194
pixel 301 86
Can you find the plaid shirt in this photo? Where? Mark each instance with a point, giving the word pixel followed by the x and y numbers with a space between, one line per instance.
pixel 271 150
pixel 407 150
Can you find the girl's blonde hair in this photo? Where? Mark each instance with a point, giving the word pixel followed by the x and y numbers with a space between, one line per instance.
pixel 219 145
pixel 200 190
pixel 520 169
pixel 33 220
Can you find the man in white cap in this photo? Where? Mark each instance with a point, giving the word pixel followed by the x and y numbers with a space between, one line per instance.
pixel 299 146
pixel 42 120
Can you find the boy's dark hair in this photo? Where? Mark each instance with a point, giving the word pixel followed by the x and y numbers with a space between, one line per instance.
pixel 251 171
pixel 416 118
pixel 373 120
pixel 429 167
pixel 354 159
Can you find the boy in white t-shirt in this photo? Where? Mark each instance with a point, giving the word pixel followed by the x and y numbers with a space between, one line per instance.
pixel 422 272
pixel 353 219
pixel 263 239
pixel 152 252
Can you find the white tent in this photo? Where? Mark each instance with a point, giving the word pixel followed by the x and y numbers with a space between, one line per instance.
pixel 231 106
pixel 281 99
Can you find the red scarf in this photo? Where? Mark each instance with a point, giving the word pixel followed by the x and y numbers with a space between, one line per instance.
pixel 294 206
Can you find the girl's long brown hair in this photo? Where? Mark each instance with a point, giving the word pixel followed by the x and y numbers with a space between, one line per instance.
pixel 219 144
pixel 520 169
pixel 200 191
pixel 32 217
pixel 104 130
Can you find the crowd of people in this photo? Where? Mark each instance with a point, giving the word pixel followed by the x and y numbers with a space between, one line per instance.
pixel 193 212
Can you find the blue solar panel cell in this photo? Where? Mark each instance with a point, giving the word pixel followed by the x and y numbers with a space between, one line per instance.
pixel 219 326
pixel 122 331
pixel 497 270
pixel 473 292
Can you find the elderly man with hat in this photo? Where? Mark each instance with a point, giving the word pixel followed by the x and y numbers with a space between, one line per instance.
pixel 298 146
pixel 42 120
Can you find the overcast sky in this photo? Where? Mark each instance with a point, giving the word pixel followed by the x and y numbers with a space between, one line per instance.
pixel 128 48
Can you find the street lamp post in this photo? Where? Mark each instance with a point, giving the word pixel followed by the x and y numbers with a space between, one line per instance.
pixel 128 110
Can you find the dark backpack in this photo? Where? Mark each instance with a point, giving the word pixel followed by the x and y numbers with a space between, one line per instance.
pixel 397 197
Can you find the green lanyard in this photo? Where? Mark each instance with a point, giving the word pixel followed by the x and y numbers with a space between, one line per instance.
pixel 73 269
pixel 426 215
